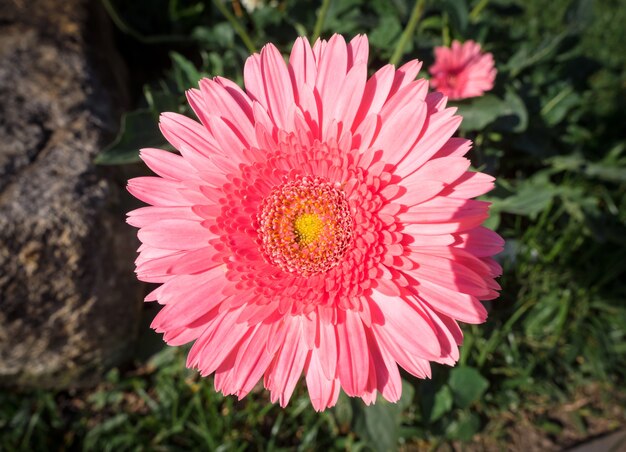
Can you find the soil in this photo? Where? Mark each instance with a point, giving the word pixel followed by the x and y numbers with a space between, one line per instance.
pixel 594 411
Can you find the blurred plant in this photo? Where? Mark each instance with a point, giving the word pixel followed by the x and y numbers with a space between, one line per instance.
pixel 462 70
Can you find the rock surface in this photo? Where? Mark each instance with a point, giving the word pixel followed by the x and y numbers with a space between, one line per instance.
pixel 69 302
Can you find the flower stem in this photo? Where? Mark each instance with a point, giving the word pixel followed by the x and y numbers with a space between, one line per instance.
pixel 477 9
pixel 418 9
pixel 321 17
pixel 445 31
pixel 236 26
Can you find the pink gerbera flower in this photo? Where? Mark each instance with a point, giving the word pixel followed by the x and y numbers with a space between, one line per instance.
pixel 317 222
pixel 462 71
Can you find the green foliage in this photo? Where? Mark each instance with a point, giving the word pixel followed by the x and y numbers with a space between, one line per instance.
pixel 467 385
pixel 378 425
pixel 138 130
pixel 436 404
pixel 164 406
pixel 552 133
pixel 480 112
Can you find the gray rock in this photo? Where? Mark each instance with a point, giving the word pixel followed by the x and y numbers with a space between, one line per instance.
pixel 69 302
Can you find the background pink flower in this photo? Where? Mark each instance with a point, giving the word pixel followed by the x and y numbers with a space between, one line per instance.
pixel 462 71
pixel 318 222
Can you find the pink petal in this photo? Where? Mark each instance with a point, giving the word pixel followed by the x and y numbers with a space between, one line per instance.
pixel 277 85
pixel 195 261
pixel 481 242
pixel 302 66
pixel 446 170
pixel 349 97
pixel 199 107
pixel 216 343
pixel 454 147
pixel 332 67
pixel 446 211
pixel 228 141
pixel 405 75
pixel 322 391
pixel 449 349
pixel 420 191
pixel 438 132
pixel 353 355
pixel 401 323
pixel 172 234
pixel 447 273
pixel 166 164
pixel 375 93
pixel 409 94
pixel 470 185
pixel 388 380
pixel 183 335
pixel 415 365
pixel 237 115
pixel 253 80
pixel 358 51
pixel 157 191
pixel 252 361
pixel 155 268
pixel 145 215
pixel 327 348
pixel 182 131
pixel 400 131
pixel 202 294
pixel 288 364
pixel 459 306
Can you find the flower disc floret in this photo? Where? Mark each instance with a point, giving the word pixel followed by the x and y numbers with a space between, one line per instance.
pixel 305 226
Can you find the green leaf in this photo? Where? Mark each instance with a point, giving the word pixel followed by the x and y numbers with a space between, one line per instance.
pixel 408 393
pixel 265 17
pixel 443 403
pixel 493 221
pixel 185 72
pixel 528 56
pixel 382 425
pixel 558 106
pixel 343 410
pixel 160 100
pixel 379 424
pixel 480 112
pixel 514 116
pixel 434 406
pixel 612 167
pixel 464 428
pixel 218 36
pixel 458 12
pixel 580 13
pixel 139 130
pixel 430 23
pixel 386 33
pixel 532 197
pixel 605 172
pixel 527 202
pixel 467 385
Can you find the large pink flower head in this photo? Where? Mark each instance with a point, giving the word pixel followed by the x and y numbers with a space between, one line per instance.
pixel 462 71
pixel 317 222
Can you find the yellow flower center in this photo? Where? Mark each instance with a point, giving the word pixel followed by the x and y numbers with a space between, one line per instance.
pixel 308 227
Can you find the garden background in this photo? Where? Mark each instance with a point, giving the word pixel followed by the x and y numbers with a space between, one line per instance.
pixel 545 372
